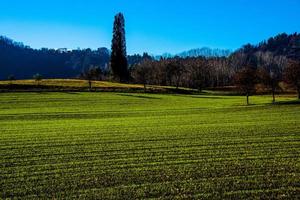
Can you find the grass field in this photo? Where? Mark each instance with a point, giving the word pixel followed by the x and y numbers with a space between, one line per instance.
pixel 137 146
pixel 77 85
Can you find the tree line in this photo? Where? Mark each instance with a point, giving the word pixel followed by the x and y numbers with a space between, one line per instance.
pixel 268 63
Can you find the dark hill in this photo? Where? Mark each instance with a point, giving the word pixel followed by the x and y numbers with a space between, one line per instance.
pixel 23 62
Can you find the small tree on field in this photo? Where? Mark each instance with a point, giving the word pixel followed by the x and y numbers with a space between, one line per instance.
pixel 292 75
pixel 270 72
pixel 270 79
pixel 37 77
pixel 93 73
pixel 246 80
pixel 11 78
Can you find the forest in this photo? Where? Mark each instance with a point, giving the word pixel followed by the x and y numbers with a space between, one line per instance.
pixel 270 57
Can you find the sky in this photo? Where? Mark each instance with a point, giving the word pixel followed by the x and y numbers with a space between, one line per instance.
pixel 153 26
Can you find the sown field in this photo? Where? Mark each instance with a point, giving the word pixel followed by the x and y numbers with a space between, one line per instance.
pixel 138 146
pixel 77 85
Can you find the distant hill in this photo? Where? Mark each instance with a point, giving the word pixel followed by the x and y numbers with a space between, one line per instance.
pixel 274 51
pixel 283 45
pixel 280 45
pixel 23 62
pixel 205 52
pixel 199 52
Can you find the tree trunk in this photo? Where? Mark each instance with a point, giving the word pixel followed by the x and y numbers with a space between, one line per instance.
pixel 200 89
pixel 90 85
pixel 145 88
pixel 273 92
pixel 177 82
pixel 11 85
pixel 247 99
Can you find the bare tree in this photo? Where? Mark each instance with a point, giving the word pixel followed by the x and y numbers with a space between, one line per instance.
pixel 141 73
pixel 198 74
pixel 38 77
pixel 11 78
pixel 93 73
pixel 292 75
pixel 271 68
pixel 246 79
pixel 174 71
pixel 178 70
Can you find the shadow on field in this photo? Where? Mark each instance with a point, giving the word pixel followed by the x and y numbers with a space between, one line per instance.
pixel 138 96
pixel 75 93
pixel 206 97
pixel 63 92
pixel 41 92
pixel 294 102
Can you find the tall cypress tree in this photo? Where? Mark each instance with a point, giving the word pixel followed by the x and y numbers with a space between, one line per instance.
pixel 118 61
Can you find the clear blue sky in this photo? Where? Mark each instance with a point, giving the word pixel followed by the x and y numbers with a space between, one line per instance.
pixel 154 26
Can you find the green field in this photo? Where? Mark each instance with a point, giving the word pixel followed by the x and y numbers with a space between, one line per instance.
pixel 77 85
pixel 138 146
pixel 71 83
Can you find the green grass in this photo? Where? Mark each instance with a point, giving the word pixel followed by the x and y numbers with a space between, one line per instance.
pixel 136 146
pixel 70 83
pixel 59 85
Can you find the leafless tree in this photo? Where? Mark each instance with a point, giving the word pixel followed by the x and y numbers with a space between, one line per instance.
pixel 93 73
pixel 292 75
pixel 246 79
pixel 270 70
pixel 142 73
